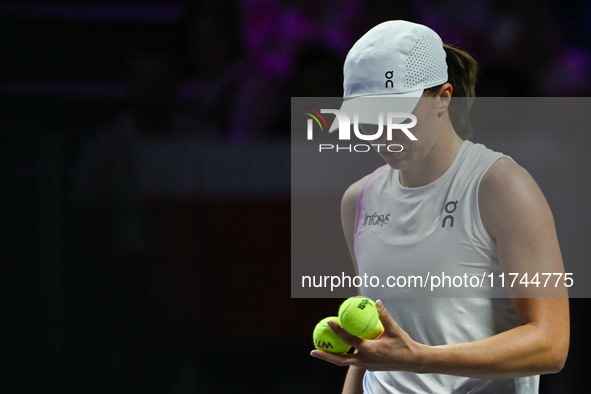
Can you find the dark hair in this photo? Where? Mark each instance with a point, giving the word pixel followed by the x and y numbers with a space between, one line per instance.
pixel 461 71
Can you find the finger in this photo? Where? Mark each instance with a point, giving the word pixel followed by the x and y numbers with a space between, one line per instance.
pixel 387 321
pixel 337 359
pixel 345 336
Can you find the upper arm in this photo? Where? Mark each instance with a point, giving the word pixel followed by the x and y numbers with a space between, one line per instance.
pixel 517 216
pixel 348 213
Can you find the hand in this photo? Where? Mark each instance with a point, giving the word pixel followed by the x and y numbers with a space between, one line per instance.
pixel 392 350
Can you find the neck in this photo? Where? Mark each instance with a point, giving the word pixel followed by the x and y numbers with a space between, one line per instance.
pixel 436 163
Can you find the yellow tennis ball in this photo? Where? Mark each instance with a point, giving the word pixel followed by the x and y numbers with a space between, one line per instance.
pixel 327 340
pixel 359 316
pixel 373 334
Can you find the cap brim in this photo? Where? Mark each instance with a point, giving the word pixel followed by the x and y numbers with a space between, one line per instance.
pixel 368 108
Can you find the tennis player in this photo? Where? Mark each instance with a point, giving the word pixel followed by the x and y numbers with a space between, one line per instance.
pixel 453 206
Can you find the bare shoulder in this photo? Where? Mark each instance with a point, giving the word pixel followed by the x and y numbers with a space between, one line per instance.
pixel 508 193
pixel 503 172
pixel 506 179
pixel 352 193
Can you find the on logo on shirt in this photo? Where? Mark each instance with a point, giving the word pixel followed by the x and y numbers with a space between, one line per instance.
pixel 450 207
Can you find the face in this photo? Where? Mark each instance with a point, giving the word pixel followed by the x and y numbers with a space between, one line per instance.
pixel 427 132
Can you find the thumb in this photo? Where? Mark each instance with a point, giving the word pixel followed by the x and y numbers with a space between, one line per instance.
pixel 390 326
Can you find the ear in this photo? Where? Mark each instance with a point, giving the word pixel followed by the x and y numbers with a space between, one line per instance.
pixel 444 97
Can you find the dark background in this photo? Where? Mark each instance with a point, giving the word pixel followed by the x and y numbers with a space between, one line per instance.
pixel 120 278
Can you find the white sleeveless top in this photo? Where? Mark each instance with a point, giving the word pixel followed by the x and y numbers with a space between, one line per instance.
pixel 433 229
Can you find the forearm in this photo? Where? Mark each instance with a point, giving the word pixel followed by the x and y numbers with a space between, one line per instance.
pixel 523 351
pixel 538 345
pixel 354 380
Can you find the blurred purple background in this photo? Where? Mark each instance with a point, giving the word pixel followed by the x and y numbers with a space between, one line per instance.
pixel 58 53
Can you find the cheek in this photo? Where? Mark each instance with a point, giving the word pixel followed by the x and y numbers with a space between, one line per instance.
pixel 423 130
pixel 400 137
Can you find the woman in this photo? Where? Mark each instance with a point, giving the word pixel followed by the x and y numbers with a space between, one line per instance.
pixel 453 206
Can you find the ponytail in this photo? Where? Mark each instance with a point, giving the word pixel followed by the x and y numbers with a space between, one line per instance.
pixel 461 71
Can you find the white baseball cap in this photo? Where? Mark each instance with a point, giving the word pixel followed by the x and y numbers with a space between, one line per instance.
pixel 388 69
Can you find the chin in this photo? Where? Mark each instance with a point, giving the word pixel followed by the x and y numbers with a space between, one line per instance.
pixel 397 161
pixel 394 162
